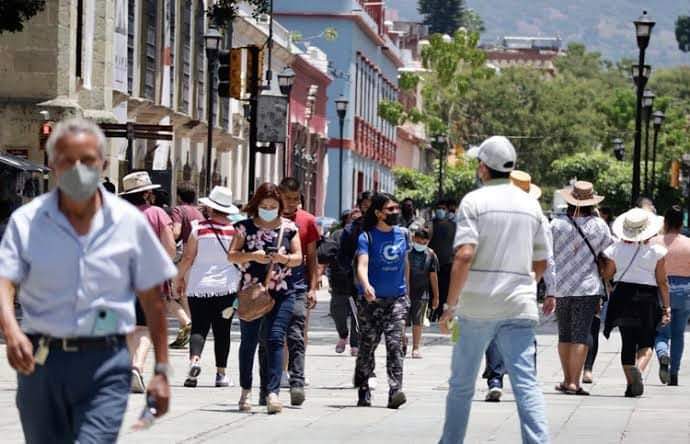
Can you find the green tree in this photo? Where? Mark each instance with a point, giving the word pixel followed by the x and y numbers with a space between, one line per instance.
pixel 13 13
pixel 223 12
pixel 683 33
pixel 472 21
pixel 442 16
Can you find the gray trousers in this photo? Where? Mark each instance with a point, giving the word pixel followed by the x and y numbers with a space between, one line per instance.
pixel 76 396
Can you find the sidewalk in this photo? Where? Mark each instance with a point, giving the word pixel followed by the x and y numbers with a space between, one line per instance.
pixel 209 415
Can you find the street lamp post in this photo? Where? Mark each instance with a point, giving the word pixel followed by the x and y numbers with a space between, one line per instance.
pixel 618 148
pixel 643 31
pixel 647 105
pixel 286 79
pixel 341 107
pixel 658 121
pixel 439 141
pixel 212 40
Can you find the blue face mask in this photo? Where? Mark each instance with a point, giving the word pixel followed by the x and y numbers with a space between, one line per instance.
pixel 419 247
pixel 268 215
pixel 451 216
pixel 440 214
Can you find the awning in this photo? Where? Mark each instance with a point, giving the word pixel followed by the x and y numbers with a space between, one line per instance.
pixel 22 164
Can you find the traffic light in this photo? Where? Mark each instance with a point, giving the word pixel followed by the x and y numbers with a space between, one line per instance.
pixel 229 73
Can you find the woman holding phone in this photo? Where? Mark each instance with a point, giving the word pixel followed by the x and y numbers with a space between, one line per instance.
pixel 263 240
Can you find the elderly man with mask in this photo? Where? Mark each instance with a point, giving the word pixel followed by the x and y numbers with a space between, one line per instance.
pixel 78 256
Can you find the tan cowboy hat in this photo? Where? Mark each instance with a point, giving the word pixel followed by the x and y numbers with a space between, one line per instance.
pixel 523 181
pixel 220 199
pixel 137 182
pixel 637 225
pixel 581 194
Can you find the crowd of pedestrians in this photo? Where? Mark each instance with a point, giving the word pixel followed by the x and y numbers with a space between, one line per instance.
pixel 473 267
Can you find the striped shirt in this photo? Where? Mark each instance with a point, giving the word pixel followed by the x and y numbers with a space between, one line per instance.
pixel 211 274
pixel 576 271
pixel 507 227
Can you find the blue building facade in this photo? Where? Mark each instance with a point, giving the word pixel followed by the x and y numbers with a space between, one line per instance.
pixel 364 63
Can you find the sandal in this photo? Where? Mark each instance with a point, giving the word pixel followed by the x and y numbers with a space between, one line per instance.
pixel 561 388
pixel 581 392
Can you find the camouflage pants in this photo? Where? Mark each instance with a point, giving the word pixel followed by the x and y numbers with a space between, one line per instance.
pixel 382 317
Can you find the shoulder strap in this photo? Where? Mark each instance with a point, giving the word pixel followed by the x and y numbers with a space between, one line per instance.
pixel 632 261
pixel 213 228
pixel 582 234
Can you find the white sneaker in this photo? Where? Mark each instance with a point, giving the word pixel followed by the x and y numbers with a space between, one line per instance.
pixel 372 384
pixel 285 380
pixel 494 395
pixel 138 385
pixel 307 382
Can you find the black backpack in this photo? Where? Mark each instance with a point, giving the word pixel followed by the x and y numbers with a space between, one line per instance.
pixel 327 248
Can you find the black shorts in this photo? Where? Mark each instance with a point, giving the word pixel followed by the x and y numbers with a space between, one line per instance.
pixel 575 315
pixel 139 312
pixel 417 313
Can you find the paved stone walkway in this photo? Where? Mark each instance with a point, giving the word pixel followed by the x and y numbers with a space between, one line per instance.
pixel 209 415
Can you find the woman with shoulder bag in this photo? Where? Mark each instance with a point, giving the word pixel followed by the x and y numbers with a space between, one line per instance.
pixel 210 283
pixel 579 238
pixel 638 269
pixel 265 248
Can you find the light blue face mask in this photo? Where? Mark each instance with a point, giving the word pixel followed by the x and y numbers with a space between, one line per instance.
pixel 419 247
pixel 268 215
pixel 440 214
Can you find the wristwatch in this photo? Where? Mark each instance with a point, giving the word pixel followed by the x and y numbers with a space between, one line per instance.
pixel 163 369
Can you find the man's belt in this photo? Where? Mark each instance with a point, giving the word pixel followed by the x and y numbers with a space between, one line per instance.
pixel 79 343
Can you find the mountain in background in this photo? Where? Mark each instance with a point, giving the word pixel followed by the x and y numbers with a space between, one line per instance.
pixel 604 26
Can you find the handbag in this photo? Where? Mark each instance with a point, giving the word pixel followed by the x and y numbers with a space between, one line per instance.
pixel 255 299
pixel 597 260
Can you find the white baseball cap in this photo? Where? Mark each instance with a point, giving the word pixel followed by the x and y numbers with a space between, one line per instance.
pixel 496 152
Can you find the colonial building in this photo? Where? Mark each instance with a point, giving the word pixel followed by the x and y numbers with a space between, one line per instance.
pixel 364 63
pixel 534 52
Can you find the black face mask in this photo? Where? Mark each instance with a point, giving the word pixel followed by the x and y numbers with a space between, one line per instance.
pixel 392 219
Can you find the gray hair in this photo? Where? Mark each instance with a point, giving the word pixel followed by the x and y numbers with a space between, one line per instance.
pixel 73 127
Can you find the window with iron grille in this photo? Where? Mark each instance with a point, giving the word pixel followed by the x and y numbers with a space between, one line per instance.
pixel 186 61
pixel 131 12
pixel 150 49
pixel 199 43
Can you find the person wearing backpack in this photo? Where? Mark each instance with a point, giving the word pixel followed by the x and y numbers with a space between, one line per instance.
pixel 423 282
pixel 383 281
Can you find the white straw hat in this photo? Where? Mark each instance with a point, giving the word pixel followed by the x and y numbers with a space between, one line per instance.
pixel 637 225
pixel 137 182
pixel 220 199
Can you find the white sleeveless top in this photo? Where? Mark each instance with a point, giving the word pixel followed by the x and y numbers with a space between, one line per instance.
pixel 211 274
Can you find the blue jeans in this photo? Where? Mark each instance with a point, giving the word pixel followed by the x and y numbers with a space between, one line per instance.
pixel 675 331
pixel 494 366
pixel 515 341
pixel 76 396
pixel 272 333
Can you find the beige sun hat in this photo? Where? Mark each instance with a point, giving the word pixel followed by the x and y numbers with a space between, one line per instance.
pixel 637 225
pixel 581 194
pixel 220 199
pixel 523 181
pixel 137 182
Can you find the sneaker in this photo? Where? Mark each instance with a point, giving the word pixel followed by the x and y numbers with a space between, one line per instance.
pixel 138 385
pixel 273 404
pixel 373 383
pixel 494 394
pixel 364 397
pixel 182 339
pixel 245 404
pixel 637 386
pixel 297 396
pixel 223 380
pixel 628 392
pixel 664 362
pixel 340 346
pixel 396 399
pixel 354 351
pixel 307 382
pixel 192 375
pixel 285 380
pixel 673 381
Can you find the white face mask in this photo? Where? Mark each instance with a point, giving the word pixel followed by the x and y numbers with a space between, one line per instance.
pixel 419 247
pixel 268 215
pixel 80 182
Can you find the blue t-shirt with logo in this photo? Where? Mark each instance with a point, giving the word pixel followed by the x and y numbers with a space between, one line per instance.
pixel 387 254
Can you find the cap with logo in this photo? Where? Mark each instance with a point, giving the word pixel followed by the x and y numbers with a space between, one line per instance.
pixel 496 153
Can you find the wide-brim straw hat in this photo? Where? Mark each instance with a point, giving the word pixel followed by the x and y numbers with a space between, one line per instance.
pixel 137 183
pixel 523 181
pixel 220 199
pixel 637 225
pixel 581 194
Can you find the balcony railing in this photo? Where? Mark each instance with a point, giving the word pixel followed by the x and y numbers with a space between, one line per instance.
pixel 372 144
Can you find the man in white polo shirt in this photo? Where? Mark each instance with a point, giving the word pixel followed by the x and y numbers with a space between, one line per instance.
pixel 501 252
